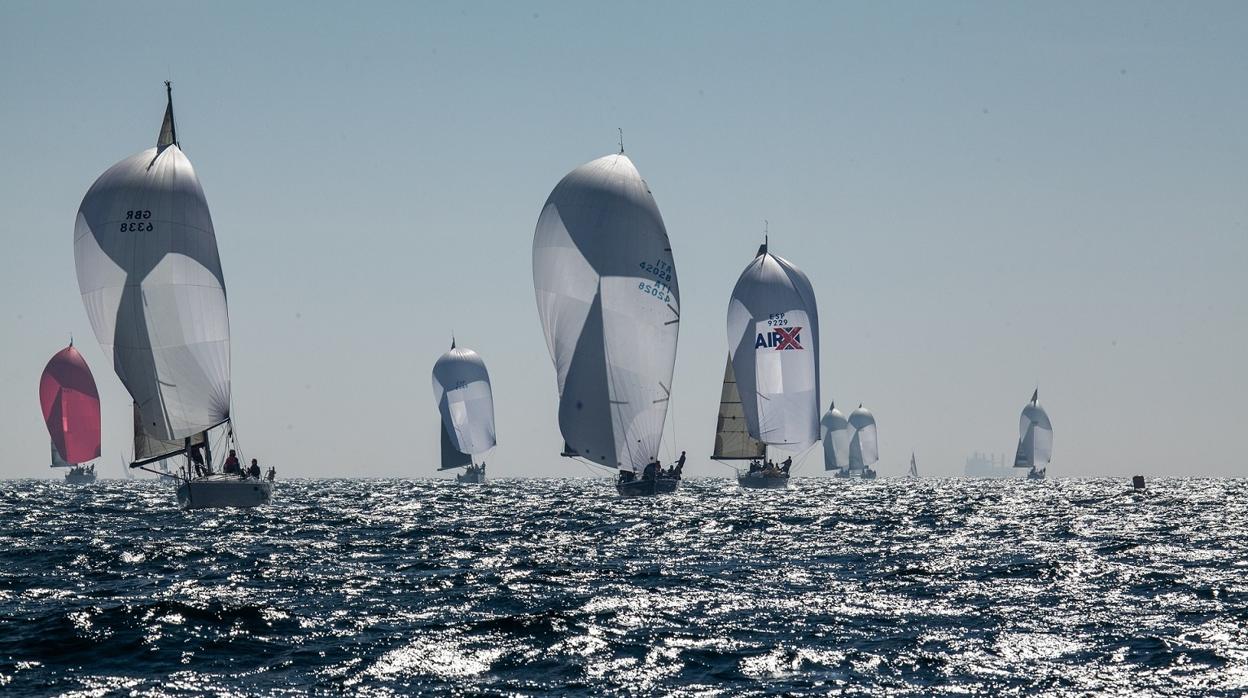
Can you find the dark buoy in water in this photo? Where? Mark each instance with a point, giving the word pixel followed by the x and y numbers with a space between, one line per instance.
pixel 1138 482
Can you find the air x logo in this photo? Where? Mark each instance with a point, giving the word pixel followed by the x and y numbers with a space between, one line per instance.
pixel 788 338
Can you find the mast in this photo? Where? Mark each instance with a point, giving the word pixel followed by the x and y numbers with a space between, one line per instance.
pixel 207 452
pixel 168 129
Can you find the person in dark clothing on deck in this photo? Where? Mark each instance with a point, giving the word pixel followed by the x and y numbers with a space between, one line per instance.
pixel 651 472
pixel 788 463
pixel 254 470
pixel 231 464
pixel 680 466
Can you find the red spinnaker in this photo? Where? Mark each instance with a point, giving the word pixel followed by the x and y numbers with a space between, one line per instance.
pixel 71 406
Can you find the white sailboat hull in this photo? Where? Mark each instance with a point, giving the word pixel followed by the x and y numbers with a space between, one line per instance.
pixel 79 478
pixel 647 487
pixel 762 482
pixel 472 477
pixel 224 491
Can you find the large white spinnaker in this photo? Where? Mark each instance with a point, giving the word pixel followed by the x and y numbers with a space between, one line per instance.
pixel 835 434
pixel 461 387
pixel 1035 436
pixel 773 340
pixel 151 281
pixel 609 303
pixel 864 447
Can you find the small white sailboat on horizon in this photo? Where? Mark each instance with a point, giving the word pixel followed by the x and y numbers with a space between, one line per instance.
pixel 151 282
pixel 836 436
pixel 461 387
pixel 1035 439
pixel 914 468
pixel 864 446
pixel 609 304
pixel 773 361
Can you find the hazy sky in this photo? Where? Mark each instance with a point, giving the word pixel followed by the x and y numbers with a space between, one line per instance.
pixel 986 197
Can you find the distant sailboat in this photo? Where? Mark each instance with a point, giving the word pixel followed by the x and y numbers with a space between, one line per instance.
pixel 864 447
pixel 71 411
pixel 773 344
pixel 836 435
pixel 914 468
pixel 151 282
pixel 609 304
pixel 461 387
pixel 1035 439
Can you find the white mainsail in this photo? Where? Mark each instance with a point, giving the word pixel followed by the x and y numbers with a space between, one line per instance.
pixel 773 339
pixel 914 467
pixel 1035 436
pixel 609 303
pixel 57 460
pixel 147 447
pixel 835 433
pixel 461 387
pixel 732 436
pixel 151 281
pixel 864 447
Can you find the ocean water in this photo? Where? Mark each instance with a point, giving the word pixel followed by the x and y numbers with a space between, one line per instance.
pixel 522 587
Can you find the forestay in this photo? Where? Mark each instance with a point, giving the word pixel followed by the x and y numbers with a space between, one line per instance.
pixel 151 281
pixel 864 447
pixel 1035 436
pixel 835 433
pixel 609 304
pixel 461 387
pixel 773 341
pixel 732 436
pixel 71 408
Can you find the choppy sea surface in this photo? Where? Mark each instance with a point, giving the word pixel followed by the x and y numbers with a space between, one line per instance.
pixel 522 587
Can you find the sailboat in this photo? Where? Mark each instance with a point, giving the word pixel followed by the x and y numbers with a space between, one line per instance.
pixel 609 305
pixel 151 282
pixel 461 387
pixel 773 349
pixel 1035 439
pixel 71 411
pixel 835 433
pixel 864 447
pixel 914 468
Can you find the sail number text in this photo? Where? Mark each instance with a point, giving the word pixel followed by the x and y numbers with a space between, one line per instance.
pixel 662 273
pixel 137 221
pixel 777 320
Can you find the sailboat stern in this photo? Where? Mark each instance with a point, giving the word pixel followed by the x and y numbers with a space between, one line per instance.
pixel 224 491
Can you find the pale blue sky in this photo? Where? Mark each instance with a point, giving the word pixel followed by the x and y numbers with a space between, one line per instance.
pixel 984 195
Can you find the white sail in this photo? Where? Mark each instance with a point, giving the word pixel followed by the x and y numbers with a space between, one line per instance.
pixel 152 285
pixel 57 460
pixel 461 387
pixel 148 447
pixel 914 467
pixel 835 433
pixel 773 338
pixel 864 447
pixel 1035 436
pixel 609 304
pixel 732 438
